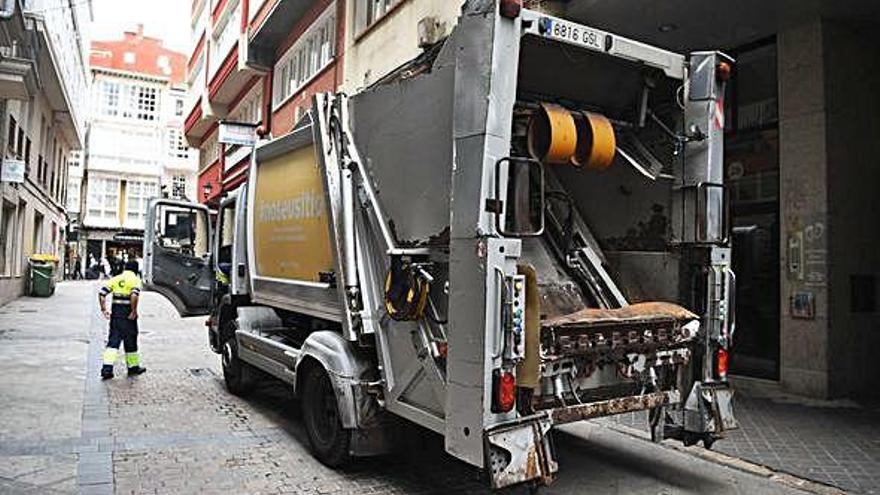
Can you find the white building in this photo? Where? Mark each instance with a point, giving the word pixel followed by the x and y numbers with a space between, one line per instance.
pixel 135 148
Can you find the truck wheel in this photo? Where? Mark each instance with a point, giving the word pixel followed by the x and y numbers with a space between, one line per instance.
pixel 657 423
pixel 328 439
pixel 237 374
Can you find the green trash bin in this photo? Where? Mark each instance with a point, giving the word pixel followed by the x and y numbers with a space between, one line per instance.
pixel 42 277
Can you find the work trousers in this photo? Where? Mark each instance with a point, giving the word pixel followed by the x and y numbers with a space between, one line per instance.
pixel 122 331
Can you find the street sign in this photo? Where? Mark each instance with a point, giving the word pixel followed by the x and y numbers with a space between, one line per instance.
pixel 13 171
pixel 238 133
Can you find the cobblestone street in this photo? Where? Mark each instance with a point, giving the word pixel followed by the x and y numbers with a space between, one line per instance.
pixel 177 430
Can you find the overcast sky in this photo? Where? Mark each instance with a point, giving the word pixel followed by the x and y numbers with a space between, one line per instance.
pixel 165 19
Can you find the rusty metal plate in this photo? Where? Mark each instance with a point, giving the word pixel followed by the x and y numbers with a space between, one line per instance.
pixel 614 406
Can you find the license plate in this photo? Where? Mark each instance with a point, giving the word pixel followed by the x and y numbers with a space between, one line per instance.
pixel 575 34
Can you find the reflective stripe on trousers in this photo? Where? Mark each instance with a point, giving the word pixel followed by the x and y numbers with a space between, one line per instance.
pixel 132 359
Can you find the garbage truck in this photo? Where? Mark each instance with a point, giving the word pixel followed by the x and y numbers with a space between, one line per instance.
pixel 524 226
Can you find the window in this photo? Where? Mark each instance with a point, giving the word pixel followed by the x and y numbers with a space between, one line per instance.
pixel 308 56
pixel 138 194
pixel 178 107
pixel 131 101
pixel 109 98
pixel 210 152
pixel 129 57
pixel 146 102
pixel 37 241
pixel 370 12
pixel 177 147
pixel 182 230
pixel 103 199
pixel 10 138
pixel 178 187
pixel 7 231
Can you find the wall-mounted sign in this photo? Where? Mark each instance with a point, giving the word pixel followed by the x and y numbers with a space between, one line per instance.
pixel 12 171
pixel 237 133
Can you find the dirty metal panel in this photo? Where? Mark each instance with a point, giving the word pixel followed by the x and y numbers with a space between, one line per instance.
pixel 724 408
pixel 609 335
pixel 634 313
pixel 521 453
pixel 404 134
pixel 647 275
pixel 614 406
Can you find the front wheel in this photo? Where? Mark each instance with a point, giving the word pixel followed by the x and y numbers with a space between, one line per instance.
pixel 238 375
pixel 329 440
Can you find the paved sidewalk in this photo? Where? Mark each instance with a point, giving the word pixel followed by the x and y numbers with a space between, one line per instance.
pixel 835 443
pixel 176 430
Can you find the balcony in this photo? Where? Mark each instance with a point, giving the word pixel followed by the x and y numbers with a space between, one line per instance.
pixel 18 78
pixel 267 35
pixel 230 72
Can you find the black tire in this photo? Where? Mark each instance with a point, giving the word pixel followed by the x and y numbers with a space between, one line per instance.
pixel 657 423
pixel 329 440
pixel 238 375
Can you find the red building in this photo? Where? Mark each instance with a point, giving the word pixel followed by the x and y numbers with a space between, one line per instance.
pixel 256 61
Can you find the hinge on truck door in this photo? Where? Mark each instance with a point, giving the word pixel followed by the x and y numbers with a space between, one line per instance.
pixel 494 206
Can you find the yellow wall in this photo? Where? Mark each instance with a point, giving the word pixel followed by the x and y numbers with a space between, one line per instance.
pixel 391 43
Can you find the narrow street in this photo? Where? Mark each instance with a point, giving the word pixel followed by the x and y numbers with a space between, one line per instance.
pixel 177 430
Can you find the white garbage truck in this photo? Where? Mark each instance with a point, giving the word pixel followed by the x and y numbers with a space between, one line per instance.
pixel 522 227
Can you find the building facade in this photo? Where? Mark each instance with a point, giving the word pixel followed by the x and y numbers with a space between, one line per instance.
pixel 256 61
pixel 43 106
pixel 136 150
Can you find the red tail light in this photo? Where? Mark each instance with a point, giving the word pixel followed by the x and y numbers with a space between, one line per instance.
pixel 722 360
pixel 511 8
pixel 504 393
pixel 723 71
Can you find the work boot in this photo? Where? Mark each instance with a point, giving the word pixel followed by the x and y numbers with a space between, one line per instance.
pixel 106 375
pixel 136 370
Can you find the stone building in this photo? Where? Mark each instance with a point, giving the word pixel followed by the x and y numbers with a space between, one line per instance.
pixel 43 106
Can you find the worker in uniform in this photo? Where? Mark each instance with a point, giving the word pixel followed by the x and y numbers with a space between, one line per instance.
pixel 123 316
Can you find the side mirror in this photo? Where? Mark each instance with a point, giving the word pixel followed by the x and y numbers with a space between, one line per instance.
pixel 519 197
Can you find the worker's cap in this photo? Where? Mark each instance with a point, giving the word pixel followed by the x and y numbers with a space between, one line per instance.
pixel 132 266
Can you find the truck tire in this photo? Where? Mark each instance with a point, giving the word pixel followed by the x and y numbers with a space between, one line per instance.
pixel 238 375
pixel 320 411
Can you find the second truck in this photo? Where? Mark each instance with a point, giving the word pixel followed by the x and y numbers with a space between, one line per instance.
pixel 524 226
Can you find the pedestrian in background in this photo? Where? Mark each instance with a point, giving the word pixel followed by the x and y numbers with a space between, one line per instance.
pixel 123 316
pixel 105 267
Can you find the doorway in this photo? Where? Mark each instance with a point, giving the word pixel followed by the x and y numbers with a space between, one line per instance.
pixel 752 173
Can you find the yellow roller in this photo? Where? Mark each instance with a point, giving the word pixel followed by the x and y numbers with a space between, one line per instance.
pixel 552 134
pixel 596 143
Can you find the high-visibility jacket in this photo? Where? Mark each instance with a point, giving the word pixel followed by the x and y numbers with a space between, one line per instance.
pixel 122 286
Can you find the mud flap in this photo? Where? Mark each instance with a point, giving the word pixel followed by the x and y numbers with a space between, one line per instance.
pixel 709 409
pixel 521 452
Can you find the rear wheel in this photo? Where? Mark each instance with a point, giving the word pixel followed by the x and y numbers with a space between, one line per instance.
pixel 328 439
pixel 238 375
pixel 657 423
